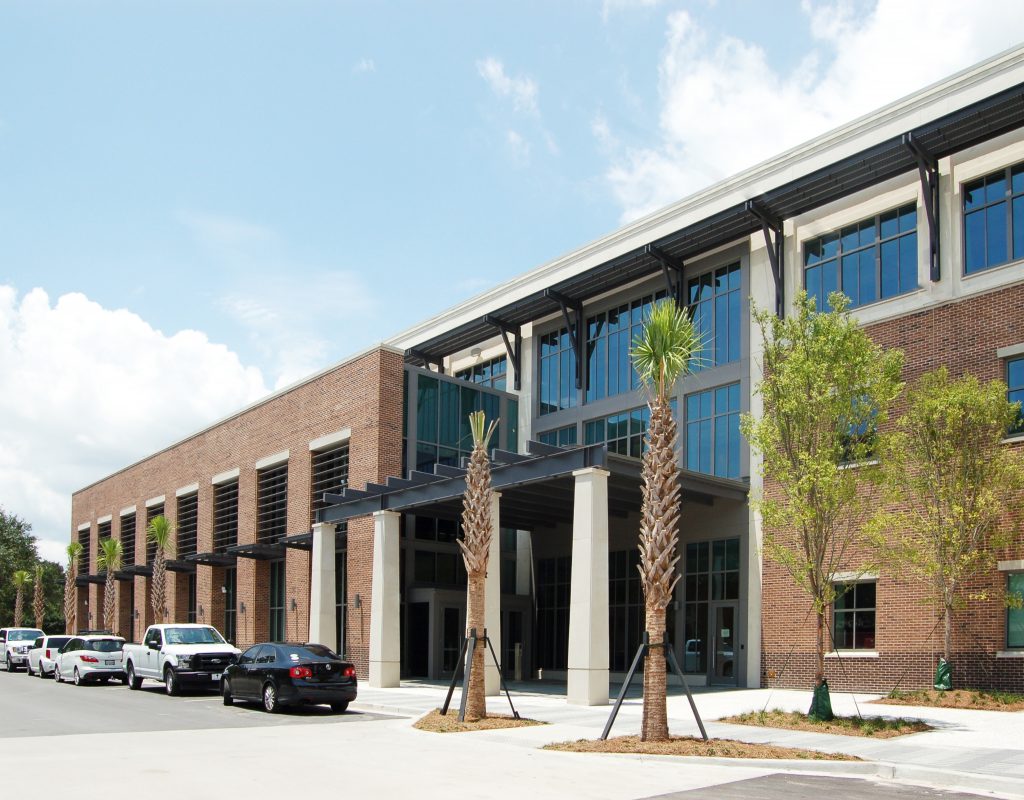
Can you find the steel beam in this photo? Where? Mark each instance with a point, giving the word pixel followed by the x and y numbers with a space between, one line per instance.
pixel 575 327
pixel 514 351
pixel 669 266
pixel 771 228
pixel 928 171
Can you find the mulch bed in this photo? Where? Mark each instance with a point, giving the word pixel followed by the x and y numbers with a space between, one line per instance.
pixel 689 746
pixel 449 723
pixel 957 698
pixel 874 727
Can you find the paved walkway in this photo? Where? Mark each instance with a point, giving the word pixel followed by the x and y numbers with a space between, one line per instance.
pixel 969 750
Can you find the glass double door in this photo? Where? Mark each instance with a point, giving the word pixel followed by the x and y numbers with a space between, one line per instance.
pixel 722 669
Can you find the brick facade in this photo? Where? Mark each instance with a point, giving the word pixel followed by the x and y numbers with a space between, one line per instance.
pixel 964 336
pixel 363 395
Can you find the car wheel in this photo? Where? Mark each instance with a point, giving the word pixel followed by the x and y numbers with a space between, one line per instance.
pixel 126 680
pixel 56 673
pixel 28 669
pixel 270 702
pixel 10 668
pixel 78 678
pixel 225 693
pixel 171 683
pixel 134 683
pixel 42 672
pixel 340 708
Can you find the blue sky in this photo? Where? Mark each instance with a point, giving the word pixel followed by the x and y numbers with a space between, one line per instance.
pixel 202 201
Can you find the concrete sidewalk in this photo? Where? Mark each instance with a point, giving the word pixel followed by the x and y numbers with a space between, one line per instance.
pixel 972 750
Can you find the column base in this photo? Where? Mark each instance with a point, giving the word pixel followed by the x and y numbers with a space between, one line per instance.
pixel 587 687
pixel 384 674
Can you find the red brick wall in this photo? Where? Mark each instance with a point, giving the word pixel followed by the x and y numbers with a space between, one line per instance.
pixel 364 395
pixel 963 336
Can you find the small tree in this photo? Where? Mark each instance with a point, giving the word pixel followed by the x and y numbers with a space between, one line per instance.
pixel 110 558
pixel 826 388
pixel 946 468
pixel 161 533
pixel 476 547
pixel 20 579
pixel 74 551
pixel 660 355
pixel 38 599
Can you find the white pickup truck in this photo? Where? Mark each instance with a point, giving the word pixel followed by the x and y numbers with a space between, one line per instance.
pixel 179 654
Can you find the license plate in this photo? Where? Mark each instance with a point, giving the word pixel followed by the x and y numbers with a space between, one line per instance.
pixel 215 676
pixel 109 662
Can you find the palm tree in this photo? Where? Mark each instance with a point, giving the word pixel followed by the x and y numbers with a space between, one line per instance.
pixel 21 578
pixel 476 546
pixel 661 354
pixel 38 604
pixel 74 551
pixel 109 558
pixel 160 533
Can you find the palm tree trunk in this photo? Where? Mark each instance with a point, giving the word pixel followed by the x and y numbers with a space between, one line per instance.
pixel 655 719
pixel 19 602
pixel 109 601
pixel 70 599
pixel 158 592
pixel 38 604
pixel 476 701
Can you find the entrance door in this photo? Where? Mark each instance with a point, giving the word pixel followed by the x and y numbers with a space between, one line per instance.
pixel 453 633
pixel 418 633
pixel 723 650
pixel 512 635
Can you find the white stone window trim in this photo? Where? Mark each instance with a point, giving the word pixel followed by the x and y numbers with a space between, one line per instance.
pixel 1011 566
pixel 329 440
pixel 868 462
pixel 852 654
pixel 127 511
pixel 273 461
pixel 1010 653
pixel 185 491
pixel 853 576
pixel 84 526
pixel 225 477
pixel 1010 351
pixel 104 519
pixel 156 501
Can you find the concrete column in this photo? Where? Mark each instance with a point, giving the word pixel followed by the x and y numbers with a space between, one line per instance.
pixel 492 600
pixel 322 600
pixel 588 590
pixel 385 648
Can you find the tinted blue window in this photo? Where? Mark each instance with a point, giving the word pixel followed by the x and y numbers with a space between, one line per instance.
pixel 995 233
pixel 993 225
pixel 974 241
pixel 908 263
pixel 716 308
pixel 1018 227
pixel 557 372
pixel 712 431
pixel 1015 386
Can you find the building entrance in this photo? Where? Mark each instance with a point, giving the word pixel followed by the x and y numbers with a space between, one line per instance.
pixel 723 651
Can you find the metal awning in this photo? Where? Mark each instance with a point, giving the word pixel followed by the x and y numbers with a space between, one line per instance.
pixel 960 129
pixel 99 578
pixel 259 551
pixel 299 541
pixel 536 489
pixel 138 569
pixel 213 559
pixel 180 565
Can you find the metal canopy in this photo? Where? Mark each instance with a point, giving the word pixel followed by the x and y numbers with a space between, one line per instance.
pixel 299 541
pixel 138 569
pixel 536 489
pixel 260 551
pixel 956 131
pixel 181 565
pixel 213 559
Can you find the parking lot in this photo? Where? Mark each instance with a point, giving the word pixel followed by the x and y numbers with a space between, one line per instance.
pixel 34 707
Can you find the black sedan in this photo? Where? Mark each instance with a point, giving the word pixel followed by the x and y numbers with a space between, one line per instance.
pixel 280 675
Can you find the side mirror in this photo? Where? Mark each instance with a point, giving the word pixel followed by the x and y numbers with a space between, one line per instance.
pixel 154 645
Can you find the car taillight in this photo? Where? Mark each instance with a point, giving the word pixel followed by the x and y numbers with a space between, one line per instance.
pixel 90 659
pixel 47 652
pixel 349 672
pixel 301 672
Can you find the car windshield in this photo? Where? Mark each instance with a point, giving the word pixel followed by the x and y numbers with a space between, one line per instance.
pixel 23 636
pixel 57 641
pixel 294 652
pixel 192 636
pixel 105 645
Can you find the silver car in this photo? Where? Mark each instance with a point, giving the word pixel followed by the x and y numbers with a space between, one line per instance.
pixel 16 642
pixel 42 657
pixel 90 658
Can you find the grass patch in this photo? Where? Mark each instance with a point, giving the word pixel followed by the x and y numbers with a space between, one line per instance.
pixel 449 723
pixel 874 727
pixel 689 746
pixel 957 698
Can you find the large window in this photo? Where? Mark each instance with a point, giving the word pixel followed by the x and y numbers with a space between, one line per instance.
pixel 557 372
pixel 871 260
pixel 102 532
pixel 128 539
pixel 439 568
pixel 188 525
pixel 84 539
pixel 152 512
pixel 1015 386
pixel 994 219
pixel 712 574
pixel 1015 615
pixel 560 437
pixel 442 420
pixel 622 432
pixel 610 336
pixel 330 474
pixel 625 608
pixel 853 616
pixel 713 431
pixel 491 373
pixel 716 305
pixel 272 503
pixel 553 612
pixel 225 515
pixel 277 593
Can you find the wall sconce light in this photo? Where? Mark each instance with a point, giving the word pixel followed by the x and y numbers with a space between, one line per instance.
pixel 202 613
pixel 358 601
pixel 475 352
pixel 241 607
pixel 136 613
pixel 223 589
pixel 293 605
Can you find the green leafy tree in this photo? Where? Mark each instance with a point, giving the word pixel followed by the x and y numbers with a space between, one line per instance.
pixel 950 479
pixel 476 547
pixel 74 552
pixel 21 579
pixel 17 552
pixel 161 533
pixel 661 355
pixel 110 559
pixel 826 389
pixel 53 596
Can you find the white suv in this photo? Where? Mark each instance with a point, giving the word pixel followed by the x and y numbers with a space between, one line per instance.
pixel 43 655
pixel 16 642
pixel 95 657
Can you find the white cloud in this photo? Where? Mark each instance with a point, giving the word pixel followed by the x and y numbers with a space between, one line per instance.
pixel 518 147
pixel 364 65
pixel 522 91
pixel 86 390
pixel 725 107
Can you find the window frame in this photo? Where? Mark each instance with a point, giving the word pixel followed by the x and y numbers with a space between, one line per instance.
pixel 701 361
pixel 1015 648
pixel 855 610
pixel 713 419
pixel 1018 428
pixel 1008 198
